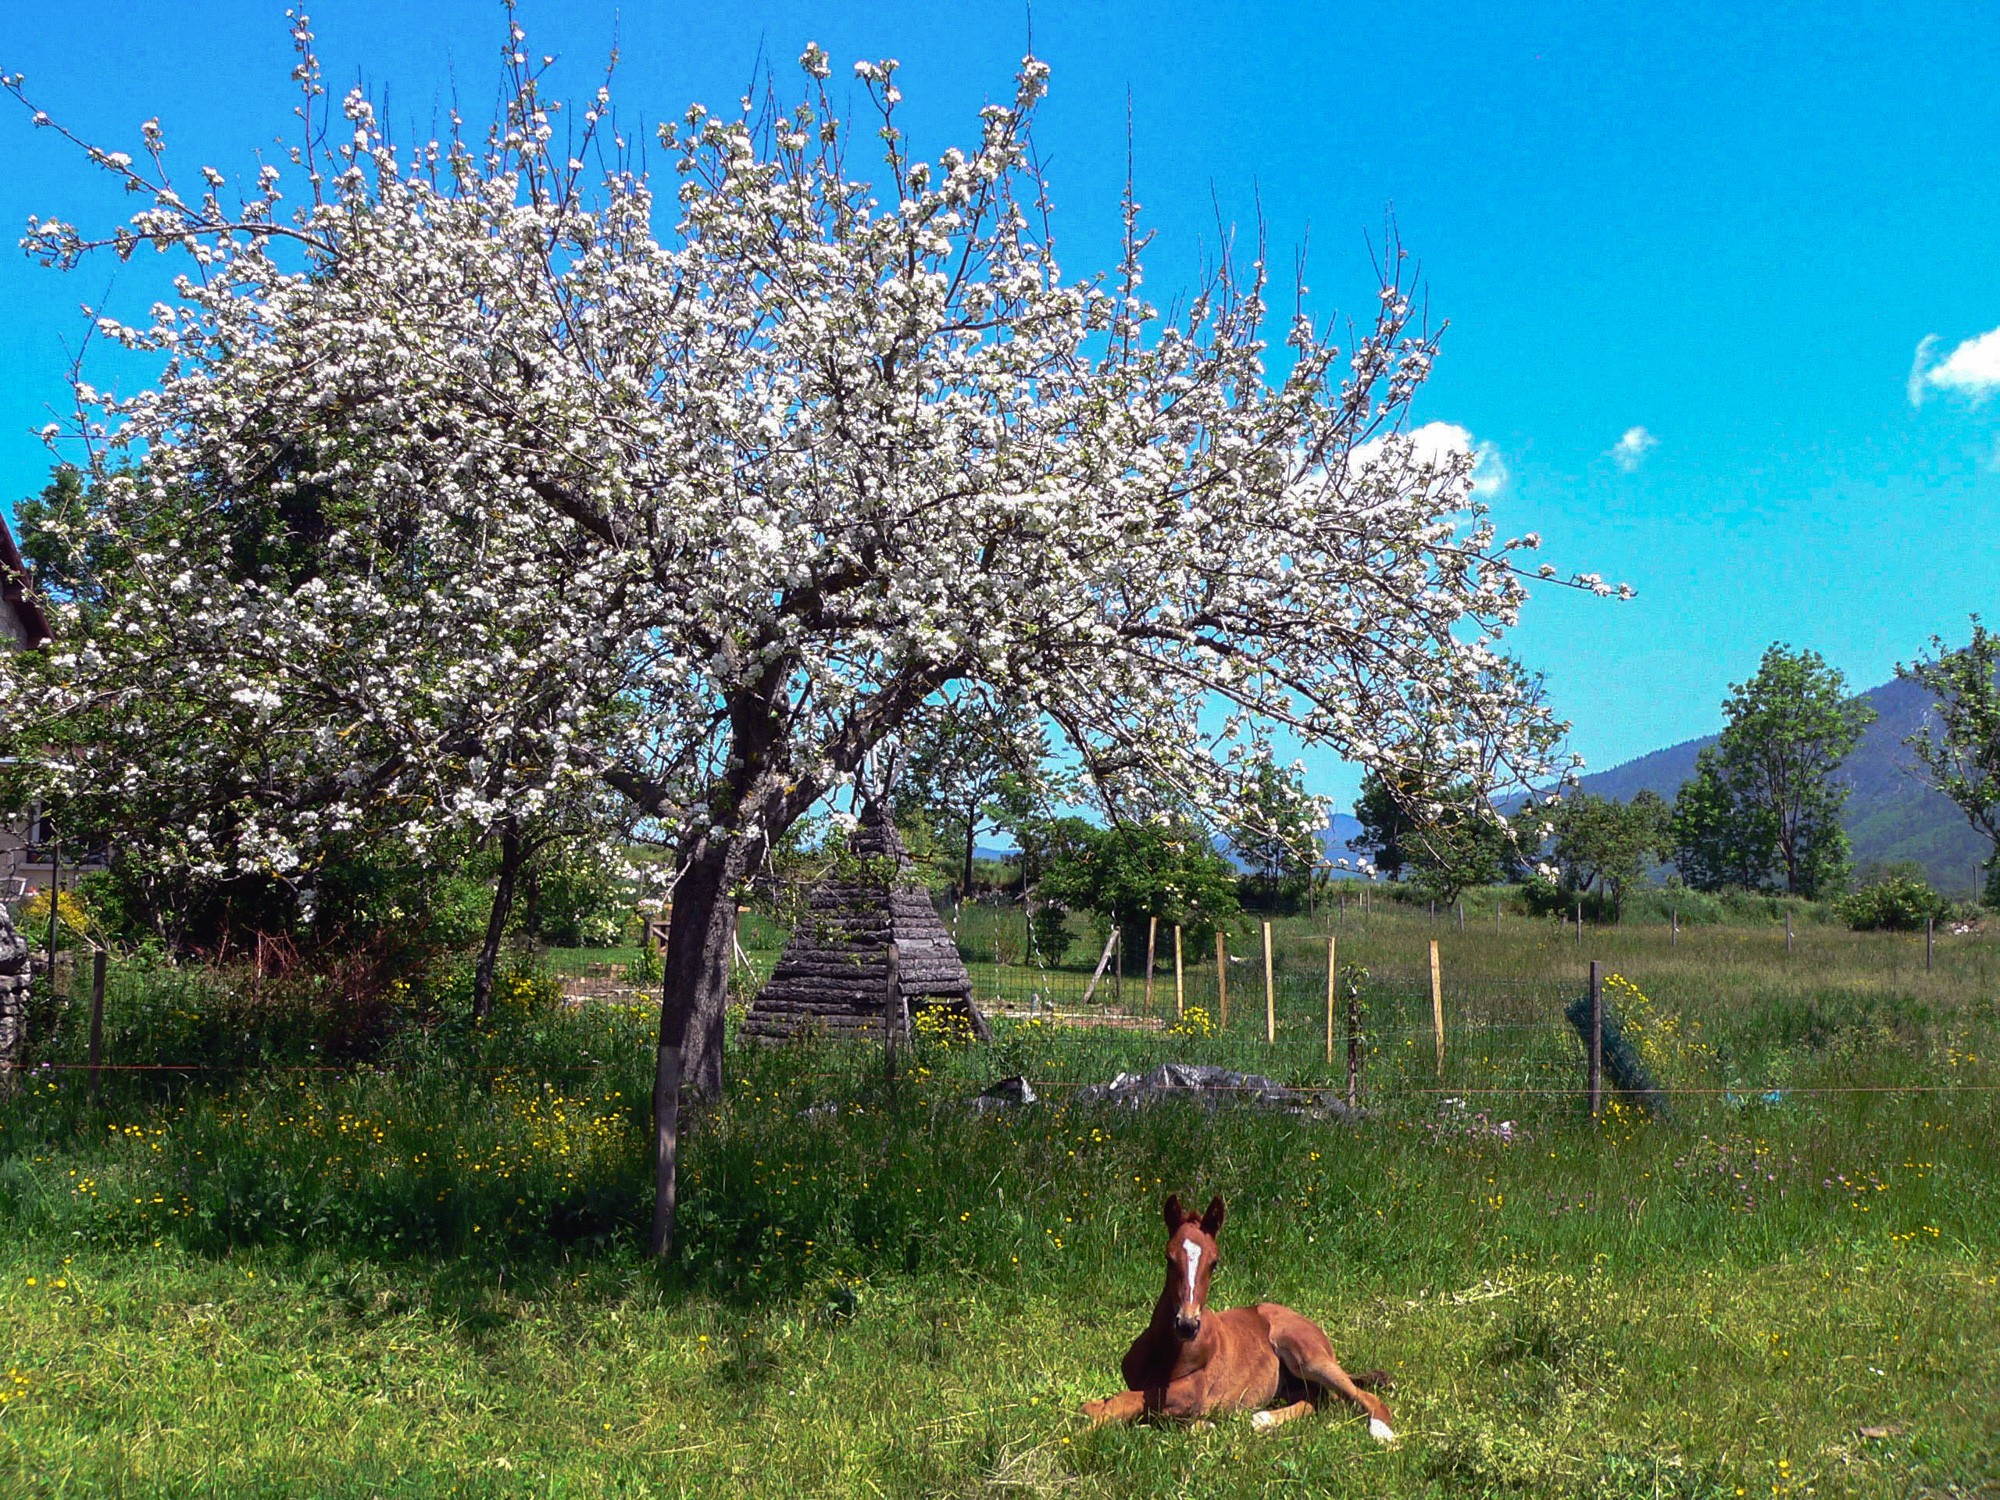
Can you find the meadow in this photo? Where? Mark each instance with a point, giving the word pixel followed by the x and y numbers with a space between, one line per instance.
pixel 418 1271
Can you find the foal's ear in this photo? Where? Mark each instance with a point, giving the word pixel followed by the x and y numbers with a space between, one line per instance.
pixel 1211 1219
pixel 1171 1212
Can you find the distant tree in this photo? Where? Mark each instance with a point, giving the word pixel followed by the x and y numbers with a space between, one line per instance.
pixel 955 762
pixel 1460 848
pixel 67 558
pixel 1385 822
pixel 1716 839
pixel 1764 806
pixel 1444 842
pixel 1958 750
pixel 1130 872
pixel 1277 832
pixel 1603 845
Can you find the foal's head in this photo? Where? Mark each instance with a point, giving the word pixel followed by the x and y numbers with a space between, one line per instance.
pixel 1192 1258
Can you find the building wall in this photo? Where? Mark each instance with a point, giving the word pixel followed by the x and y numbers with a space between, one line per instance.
pixel 17 872
pixel 20 870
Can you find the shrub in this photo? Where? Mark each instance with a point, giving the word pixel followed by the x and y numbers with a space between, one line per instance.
pixel 1668 1043
pixel 1546 898
pixel 575 902
pixel 74 924
pixel 1896 903
pixel 1050 929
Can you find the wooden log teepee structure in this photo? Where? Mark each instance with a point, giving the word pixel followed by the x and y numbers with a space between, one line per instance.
pixel 833 975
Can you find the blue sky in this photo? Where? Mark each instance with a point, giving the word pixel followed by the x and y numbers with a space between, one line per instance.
pixel 1730 227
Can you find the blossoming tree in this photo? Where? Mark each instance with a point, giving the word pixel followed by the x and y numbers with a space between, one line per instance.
pixel 702 495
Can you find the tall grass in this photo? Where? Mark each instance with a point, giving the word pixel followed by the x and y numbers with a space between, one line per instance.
pixel 422 1274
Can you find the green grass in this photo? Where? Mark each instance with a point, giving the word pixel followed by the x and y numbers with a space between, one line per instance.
pixel 423 1277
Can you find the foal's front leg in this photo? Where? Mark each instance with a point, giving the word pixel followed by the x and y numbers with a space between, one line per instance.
pixel 1126 1406
pixel 1186 1397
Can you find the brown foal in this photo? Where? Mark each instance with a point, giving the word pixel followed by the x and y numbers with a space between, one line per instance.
pixel 1192 1363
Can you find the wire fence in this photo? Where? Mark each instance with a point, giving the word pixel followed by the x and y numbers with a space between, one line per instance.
pixel 1496 1035
pixel 1380 1035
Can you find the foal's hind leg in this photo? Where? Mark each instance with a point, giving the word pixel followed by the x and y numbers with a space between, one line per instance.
pixel 1278 1416
pixel 1307 1352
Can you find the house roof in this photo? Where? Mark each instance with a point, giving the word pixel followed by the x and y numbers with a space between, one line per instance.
pixel 15 594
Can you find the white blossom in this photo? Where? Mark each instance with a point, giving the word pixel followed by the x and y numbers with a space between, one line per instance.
pixel 698 488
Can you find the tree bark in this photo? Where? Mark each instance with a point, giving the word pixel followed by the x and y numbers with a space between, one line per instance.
pixel 531 904
pixel 694 994
pixel 496 922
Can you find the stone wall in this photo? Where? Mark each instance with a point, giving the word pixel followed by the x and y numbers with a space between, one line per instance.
pixel 13 1000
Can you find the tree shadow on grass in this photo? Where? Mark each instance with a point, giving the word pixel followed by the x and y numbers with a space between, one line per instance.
pixel 482 1183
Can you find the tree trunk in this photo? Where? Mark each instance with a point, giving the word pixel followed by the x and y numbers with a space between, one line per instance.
pixel 971 833
pixel 531 904
pixel 496 922
pixel 1132 942
pixel 694 993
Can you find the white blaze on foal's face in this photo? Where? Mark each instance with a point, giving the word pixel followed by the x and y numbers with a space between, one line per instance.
pixel 1193 1267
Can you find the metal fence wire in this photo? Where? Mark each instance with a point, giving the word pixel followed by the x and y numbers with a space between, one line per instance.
pixel 1419 1033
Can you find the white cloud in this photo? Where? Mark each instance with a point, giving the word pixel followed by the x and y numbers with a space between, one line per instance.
pixel 1489 470
pixel 1630 451
pixel 1971 370
pixel 1441 443
pixel 1914 386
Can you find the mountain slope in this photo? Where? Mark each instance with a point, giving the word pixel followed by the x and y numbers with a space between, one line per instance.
pixel 1890 814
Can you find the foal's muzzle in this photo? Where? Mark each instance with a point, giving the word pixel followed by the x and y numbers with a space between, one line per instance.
pixel 1187 1327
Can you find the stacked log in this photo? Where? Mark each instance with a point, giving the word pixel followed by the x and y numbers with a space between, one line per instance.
pixel 833 975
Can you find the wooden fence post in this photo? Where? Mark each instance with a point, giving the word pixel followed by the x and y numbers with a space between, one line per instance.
pixel 1180 992
pixel 1930 937
pixel 1579 926
pixel 1461 916
pixel 1152 935
pixel 1098 973
pixel 1332 986
pixel 1676 940
pixel 1788 929
pixel 1270 997
pixel 1596 1038
pixel 1437 1006
pixel 1354 1046
pixel 1221 980
pixel 55 907
pixel 98 960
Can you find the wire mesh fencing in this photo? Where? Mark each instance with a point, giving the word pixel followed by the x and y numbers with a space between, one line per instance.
pixel 1393 1031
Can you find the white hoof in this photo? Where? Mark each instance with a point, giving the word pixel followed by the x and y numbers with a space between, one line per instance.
pixel 1263 1421
pixel 1381 1430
